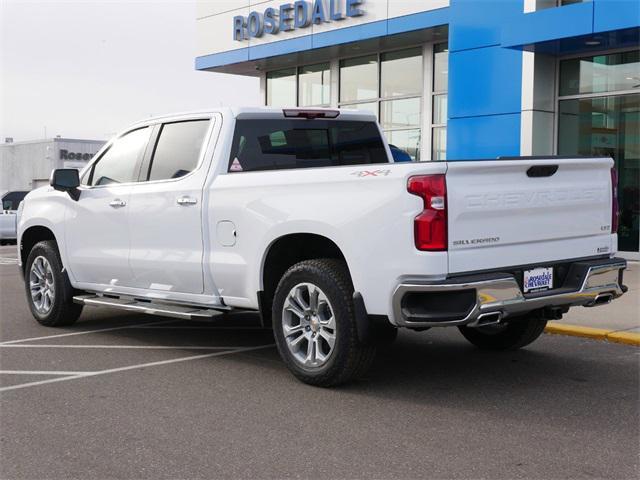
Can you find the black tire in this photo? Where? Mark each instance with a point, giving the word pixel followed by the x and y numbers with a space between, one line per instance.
pixel 518 333
pixel 349 359
pixel 63 311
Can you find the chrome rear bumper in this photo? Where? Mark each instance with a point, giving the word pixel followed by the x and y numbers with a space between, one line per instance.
pixel 498 295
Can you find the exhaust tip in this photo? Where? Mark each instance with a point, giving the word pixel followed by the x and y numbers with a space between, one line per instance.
pixel 603 299
pixel 491 318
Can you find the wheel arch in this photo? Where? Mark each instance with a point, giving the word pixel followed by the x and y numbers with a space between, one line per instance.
pixel 30 237
pixel 284 252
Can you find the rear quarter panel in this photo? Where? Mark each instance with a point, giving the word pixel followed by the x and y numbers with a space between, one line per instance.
pixel 365 210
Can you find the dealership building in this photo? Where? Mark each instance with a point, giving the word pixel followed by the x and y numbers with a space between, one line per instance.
pixel 28 165
pixel 452 79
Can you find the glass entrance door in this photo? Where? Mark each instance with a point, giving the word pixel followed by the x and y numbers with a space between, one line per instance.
pixel 599 114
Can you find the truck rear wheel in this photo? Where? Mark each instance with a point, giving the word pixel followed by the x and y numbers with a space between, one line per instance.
pixel 49 292
pixel 515 334
pixel 314 324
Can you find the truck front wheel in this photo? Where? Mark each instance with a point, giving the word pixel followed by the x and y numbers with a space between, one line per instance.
pixel 314 324
pixel 517 333
pixel 49 292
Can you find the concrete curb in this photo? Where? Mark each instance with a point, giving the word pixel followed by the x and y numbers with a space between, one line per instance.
pixel 616 336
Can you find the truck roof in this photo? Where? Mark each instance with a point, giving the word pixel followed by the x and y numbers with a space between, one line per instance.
pixel 263 112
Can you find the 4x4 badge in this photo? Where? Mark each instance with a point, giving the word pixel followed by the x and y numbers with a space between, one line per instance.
pixel 371 173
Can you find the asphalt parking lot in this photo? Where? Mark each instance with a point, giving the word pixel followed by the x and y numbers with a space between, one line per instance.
pixel 134 396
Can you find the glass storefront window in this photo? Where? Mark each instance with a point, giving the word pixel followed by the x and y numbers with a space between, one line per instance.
pixel 599 114
pixel 359 79
pixel 439 144
pixel 314 85
pixel 389 84
pixel 601 73
pixel 400 113
pixel 281 88
pixel 440 102
pixel 440 109
pixel 401 73
pixel 369 106
pixel 440 67
pixel 608 126
pixel 407 140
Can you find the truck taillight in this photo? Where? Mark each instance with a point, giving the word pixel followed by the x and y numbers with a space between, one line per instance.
pixel 614 200
pixel 430 227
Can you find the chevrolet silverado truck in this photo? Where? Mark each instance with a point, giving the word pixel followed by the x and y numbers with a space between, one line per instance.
pixel 302 216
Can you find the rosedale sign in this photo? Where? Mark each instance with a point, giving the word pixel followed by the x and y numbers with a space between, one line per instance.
pixel 291 16
pixel 67 155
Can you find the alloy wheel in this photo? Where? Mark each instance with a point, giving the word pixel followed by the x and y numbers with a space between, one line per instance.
pixel 42 285
pixel 309 325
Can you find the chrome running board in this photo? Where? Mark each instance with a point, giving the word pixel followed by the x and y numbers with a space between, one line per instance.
pixel 140 306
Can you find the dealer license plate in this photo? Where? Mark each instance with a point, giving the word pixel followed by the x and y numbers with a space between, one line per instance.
pixel 538 279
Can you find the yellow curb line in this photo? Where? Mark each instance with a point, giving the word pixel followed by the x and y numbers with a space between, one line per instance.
pixel 628 338
pixel 616 336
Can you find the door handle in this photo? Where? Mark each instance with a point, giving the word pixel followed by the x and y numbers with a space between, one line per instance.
pixel 117 203
pixel 186 201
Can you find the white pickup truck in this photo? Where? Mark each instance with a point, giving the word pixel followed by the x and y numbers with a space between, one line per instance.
pixel 8 218
pixel 302 216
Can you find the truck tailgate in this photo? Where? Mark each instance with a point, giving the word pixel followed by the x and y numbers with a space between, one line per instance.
pixel 524 211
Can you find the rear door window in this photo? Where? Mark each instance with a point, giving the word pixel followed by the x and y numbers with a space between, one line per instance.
pixel 286 144
pixel 178 149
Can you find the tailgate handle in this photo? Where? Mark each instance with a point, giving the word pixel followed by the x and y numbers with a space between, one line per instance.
pixel 542 171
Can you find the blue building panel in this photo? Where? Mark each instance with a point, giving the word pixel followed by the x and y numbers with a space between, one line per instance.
pixel 486 81
pixel 549 24
pixel 222 58
pixel 283 47
pixel 483 137
pixel 418 21
pixel 615 14
pixel 475 24
pixel 627 38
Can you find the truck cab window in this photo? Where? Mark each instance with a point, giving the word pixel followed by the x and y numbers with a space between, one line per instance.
pixel 120 162
pixel 277 144
pixel 178 149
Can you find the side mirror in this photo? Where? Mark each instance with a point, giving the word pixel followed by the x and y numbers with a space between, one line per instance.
pixel 66 180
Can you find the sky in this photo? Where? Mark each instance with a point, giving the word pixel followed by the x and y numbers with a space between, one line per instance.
pixel 87 69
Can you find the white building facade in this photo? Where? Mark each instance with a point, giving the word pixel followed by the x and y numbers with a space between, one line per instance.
pixel 28 165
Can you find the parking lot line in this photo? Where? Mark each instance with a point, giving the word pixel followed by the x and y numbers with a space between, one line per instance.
pixel 132 367
pixel 199 327
pixel 143 347
pixel 39 372
pixel 83 332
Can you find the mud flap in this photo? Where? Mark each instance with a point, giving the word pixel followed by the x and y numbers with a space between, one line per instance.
pixel 362 319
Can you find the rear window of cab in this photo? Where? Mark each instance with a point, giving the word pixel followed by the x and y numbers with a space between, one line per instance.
pixel 296 143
